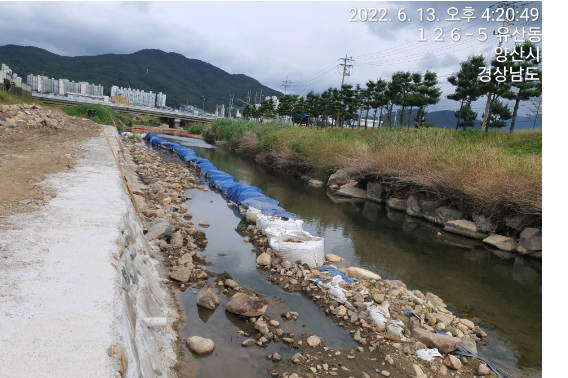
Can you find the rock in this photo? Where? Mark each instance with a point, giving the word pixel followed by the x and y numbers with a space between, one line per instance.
pixel 314 341
pixel 483 223
pixel 429 210
pixel 342 311
pixel 188 215
pixel 250 342
pixel 516 222
pixel 341 177
pixel 418 373
pixel 464 227
pixel 297 359
pixel 264 259
pixel 444 343
pixel 8 123
pixel 470 344
pixel 352 192
pixel 246 305
pixel 161 228
pixel 204 223
pixel 183 208
pixel 530 240
pixel 453 362
pixel 434 299
pixel 502 242
pixel 483 369
pixel 379 298
pixel 276 357
pixel 206 298
pixel 468 323
pixel 419 345
pixel 443 370
pixel 176 240
pixel 185 260
pixel 385 373
pixel 396 203
pixel 358 298
pixel 246 239
pixel 274 323
pixel 409 348
pixel 316 183
pixel 413 207
pixel 357 336
pixel 22 124
pixel 479 332
pixel 439 317
pixel 364 375
pixel 360 273
pixel 375 191
pixel 232 284
pixel 334 258
pixel 395 283
pixel 447 214
pixel 199 345
pixel 389 359
pixel 288 340
pixel 181 273
pixel 293 375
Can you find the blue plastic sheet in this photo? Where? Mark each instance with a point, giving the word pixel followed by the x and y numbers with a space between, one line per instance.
pixel 245 192
pixel 263 198
pixel 334 272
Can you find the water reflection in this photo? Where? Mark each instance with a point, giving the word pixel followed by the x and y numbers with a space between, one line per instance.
pixel 501 290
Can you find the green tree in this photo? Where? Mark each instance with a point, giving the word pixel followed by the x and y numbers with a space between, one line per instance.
pixel 468 86
pixel 286 106
pixel 427 93
pixel 527 89
pixel 495 89
pixel 266 109
pixel 466 117
pixel 7 84
pixel 499 114
pixel 379 99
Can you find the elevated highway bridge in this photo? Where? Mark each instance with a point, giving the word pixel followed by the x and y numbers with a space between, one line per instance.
pixel 174 119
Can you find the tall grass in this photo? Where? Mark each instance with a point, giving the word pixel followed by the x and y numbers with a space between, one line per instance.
pixel 10 99
pixel 103 115
pixel 493 171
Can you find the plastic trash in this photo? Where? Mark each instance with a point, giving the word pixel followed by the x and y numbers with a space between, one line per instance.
pixel 428 354
pixel 380 313
pixel 334 272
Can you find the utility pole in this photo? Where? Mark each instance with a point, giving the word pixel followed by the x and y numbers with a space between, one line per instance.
pixel 260 98
pixel 345 73
pixel 504 5
pixel 231 97
pixel 286 85
pixel 248 97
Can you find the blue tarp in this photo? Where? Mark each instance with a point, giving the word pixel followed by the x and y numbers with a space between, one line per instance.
pixel 334 272
pixel 236 192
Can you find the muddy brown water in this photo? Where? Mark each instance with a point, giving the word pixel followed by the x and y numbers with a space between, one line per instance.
pixel 500 292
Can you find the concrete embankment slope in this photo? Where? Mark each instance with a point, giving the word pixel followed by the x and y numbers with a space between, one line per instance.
pixel 78 277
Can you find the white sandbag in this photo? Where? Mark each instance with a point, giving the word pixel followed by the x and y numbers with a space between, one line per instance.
pixel 299 245
pixel 252 215
pixel 243 210
pixel 265 221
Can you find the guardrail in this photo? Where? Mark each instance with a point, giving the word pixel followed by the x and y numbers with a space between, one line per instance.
pixel 161 131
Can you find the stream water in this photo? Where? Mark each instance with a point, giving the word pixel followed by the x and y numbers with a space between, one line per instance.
pixel 500 292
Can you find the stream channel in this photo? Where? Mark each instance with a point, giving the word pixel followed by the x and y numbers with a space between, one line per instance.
pixel 500 292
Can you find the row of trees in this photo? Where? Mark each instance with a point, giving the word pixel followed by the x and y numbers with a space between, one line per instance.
pixel 408 91
pixel 469 87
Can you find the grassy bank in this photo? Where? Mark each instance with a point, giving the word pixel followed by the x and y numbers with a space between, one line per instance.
pixel 492 172
pixel 10 99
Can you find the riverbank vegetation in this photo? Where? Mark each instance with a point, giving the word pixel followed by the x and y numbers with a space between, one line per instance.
pixel 492 172
pixel 10 99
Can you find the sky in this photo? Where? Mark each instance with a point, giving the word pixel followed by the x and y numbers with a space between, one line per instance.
pixel 271 41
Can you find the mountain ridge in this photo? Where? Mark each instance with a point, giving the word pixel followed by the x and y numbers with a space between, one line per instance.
pixel 183 80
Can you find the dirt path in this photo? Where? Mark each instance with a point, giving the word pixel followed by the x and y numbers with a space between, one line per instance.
pixel 35 142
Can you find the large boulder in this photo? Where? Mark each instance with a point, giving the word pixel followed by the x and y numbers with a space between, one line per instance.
pixel 444 343
pixel 199 345
pixel 334 258
pixel 352 192
pixel 447 214
pixel 161 228
pixel 438 317
pixel 207 298
pixel 339 178
pixel 429 210
pixel 361 274
pixel 375 191
pixel 504 243
pixel 264 259
pixel 181 273
pixel 246 305
pixel 464 227
pixel 413 207
pixel 530 241
pixel 483 223
pixel 516 222
pixel 396 203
